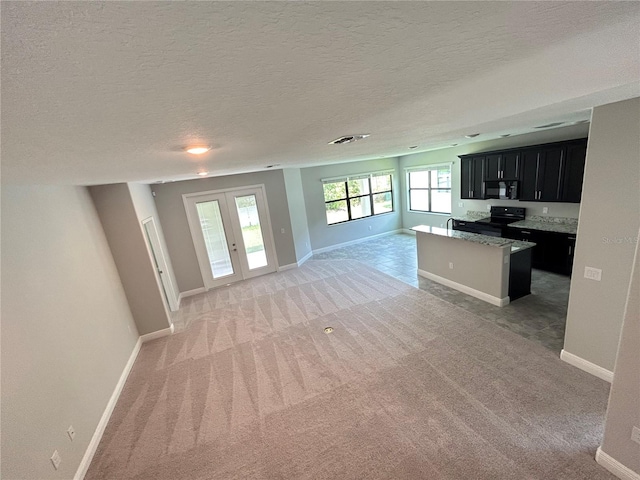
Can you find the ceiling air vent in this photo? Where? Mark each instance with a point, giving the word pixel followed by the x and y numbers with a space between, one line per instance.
pixel 348 139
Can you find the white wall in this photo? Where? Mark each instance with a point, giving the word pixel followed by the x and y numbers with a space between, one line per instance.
pixel 176 227
pixel 323 235
pixel 129 249
pixel 623 412
pixel 67 331
pixel 607 233
pixel 298 212
pixel 145 207
pixel 448 155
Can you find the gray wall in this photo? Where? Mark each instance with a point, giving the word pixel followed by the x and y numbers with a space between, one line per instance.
pixel 145 207
pixel 67 331
pixel 478 266
pixel 129 249
pixel 607 229
pixel 447 155
pixel 298 212
pixel 624 402
pixel 176 227
pixel 323 235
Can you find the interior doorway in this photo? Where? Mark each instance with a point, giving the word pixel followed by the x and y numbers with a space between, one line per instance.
pixel 232 234
pixel 160 263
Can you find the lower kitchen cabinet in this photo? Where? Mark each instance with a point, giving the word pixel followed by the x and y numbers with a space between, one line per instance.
pixel 553 251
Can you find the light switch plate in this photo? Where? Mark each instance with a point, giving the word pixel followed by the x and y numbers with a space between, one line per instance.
pixel 635 434
pixel 593 273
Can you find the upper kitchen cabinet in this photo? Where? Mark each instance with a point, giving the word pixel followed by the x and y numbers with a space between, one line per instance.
pixel 553 173
pixel 547 173
pixel 574 171
pixel 502 166
pixel 472 176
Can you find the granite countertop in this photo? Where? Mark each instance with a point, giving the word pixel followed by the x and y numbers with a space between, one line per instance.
pixel 516 245
pixel 471 216
pixel 558 227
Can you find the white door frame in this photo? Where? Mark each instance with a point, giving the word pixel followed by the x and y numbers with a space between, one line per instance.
pixel 156 254
pixel 188 200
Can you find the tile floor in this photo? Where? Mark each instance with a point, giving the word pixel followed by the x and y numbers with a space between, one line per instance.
pixel 540 316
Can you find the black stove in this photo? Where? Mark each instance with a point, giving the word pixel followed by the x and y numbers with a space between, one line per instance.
pixel 501 216
pixel 494 225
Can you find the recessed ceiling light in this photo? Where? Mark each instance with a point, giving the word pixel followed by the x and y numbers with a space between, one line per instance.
pixel 505 135
pixel 203 174
pixel 413 146
pixel 549 125
pixel 472 135
pixel 454 144
pixel 348 139
pixel 197 149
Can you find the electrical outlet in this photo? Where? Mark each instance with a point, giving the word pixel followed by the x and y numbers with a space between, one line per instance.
pixel 451 265
pixel 635 434
pixel 506 259
pixel 56 459
pixel 442 225
pixel 545 209
pixel 71 432
pixel 461 204
pixel 488 207
pixel 370 227
pixel 282 230
pixel 593 273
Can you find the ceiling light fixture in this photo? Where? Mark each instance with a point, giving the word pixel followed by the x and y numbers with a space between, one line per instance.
pixel 273 166
pixel 472 135
pixel 454 144
pixel 413 146
pixel 505 135
pixel 203 174
pixel 197 149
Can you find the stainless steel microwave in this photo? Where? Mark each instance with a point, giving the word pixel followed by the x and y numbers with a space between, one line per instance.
pixel 506 190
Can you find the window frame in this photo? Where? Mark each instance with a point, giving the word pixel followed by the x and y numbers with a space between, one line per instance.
pixel 348 198
pixel 429 188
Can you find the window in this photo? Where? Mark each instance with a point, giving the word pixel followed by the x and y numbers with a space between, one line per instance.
pixel 359 196
pixel 430 189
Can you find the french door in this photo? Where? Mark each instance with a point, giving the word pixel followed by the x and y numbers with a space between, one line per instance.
pixel 232 234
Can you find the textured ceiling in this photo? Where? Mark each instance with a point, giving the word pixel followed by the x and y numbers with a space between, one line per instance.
pixel 106 92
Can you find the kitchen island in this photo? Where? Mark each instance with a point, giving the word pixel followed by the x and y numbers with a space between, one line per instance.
pixel 494 269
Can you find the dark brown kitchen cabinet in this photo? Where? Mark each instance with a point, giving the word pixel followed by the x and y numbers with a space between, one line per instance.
pixel 472 176
pixel 541 174
pixel 553 251
pixel 574 172
pixel 502 166
pixel 551 172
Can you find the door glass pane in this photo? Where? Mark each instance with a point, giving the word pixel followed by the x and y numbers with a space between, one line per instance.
pixel 214 238
pixel 251 231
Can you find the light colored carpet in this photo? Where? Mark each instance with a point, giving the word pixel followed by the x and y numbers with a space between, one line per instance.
pixel 407 386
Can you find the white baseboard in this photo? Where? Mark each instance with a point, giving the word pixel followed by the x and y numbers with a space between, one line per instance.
pixel 305 258
pixel 615 467
pixel 498 302
pixel 190 293
pixel 587 366
pixel 157 334
pixel 102 424
pixel 353 242
pixel 287 267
